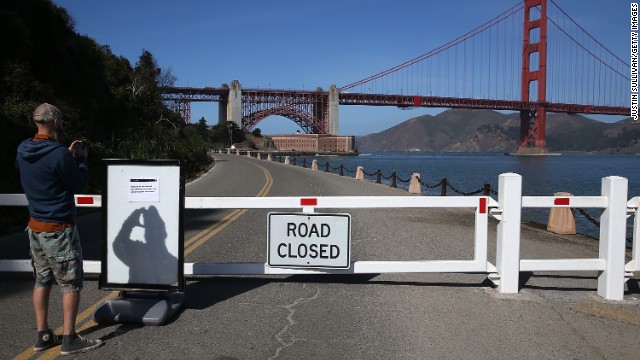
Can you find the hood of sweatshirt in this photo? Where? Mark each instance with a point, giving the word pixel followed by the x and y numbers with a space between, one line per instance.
pixel 32 151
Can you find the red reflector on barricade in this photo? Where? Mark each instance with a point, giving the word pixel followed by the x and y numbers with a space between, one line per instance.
pixel 308 202
pixel 84 200
pixel 561 201
pixel 482 208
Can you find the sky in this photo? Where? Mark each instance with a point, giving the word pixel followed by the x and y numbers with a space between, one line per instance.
pixel 306 44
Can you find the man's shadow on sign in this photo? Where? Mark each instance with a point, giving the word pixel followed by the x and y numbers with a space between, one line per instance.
pixel 148 260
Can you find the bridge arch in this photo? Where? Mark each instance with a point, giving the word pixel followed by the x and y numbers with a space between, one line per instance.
pixel 304 119
pixel 308 109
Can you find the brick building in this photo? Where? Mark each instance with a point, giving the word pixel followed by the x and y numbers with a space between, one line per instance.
pixel 314 143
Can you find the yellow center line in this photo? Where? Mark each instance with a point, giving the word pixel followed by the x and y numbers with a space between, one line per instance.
pixel 214 229
pixel 206 231
pixel 219 227
pixel 190 246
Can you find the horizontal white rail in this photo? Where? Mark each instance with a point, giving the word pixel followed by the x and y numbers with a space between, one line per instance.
pixel 292 202
pixel 564 201
pixel 336 202
pixel 261 268
pixel 357 267
pixel 21 200
pixel 563 265
pixel 21 265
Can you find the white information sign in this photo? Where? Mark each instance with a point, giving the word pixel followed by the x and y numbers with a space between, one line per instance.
pixel 144 189
pixel 143 244
pixel 309 240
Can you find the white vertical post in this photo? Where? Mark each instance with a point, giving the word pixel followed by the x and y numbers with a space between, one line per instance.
pixel 636 241
pixel 481 233
pixel 613 224
pixel 508 242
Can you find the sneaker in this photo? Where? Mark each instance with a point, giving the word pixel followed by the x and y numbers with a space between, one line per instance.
pixel 74 344
pixel 47 339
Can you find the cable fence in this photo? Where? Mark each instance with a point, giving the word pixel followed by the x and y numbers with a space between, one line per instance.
pixel 393 179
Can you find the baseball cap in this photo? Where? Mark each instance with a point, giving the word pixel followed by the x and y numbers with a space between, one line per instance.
pixel 45 113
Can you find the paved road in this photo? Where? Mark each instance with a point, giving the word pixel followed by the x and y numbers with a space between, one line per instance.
pixel 399 316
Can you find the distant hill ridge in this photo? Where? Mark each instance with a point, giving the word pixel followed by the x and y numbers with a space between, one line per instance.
pixel 468 130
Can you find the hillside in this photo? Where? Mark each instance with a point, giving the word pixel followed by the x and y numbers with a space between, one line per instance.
pixel 467 130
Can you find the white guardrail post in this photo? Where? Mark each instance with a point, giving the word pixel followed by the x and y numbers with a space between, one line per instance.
pixel 508 240
pixel 634 265
pixel 613 224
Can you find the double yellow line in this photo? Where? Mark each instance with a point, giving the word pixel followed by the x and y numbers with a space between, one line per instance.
pixel 215 228
pixel 189 246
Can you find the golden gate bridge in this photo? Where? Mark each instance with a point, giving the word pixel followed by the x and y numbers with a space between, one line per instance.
pixel 532 58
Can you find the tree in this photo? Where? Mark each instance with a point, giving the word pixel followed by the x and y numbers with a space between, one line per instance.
pixel 104 98
pixel 202 128
pixel 166 78
pixel 114 107
pixel 145 76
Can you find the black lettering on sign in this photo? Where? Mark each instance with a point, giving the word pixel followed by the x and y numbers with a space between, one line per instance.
pixel 305 230
pixel 302 250
pixel 334 252
pixel 282 255
pixel 314 251
pixel 325 230
pixel 291 228
pixel 323 251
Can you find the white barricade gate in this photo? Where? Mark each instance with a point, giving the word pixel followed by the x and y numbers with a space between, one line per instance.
pixel 610 264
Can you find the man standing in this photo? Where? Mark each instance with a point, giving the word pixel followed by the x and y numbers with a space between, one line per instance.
pixel 50 175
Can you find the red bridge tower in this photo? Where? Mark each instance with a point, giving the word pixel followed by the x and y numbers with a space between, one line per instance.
pixel 532 121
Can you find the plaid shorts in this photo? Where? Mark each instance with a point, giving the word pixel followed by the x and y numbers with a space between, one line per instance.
pixel 57 255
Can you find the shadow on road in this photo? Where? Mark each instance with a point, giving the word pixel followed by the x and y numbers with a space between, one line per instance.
pixel 206 292
pixel 120 329
pixel 15 283
pixel 216 289
pixel 198 219
pixel 632 287
pixel 529 280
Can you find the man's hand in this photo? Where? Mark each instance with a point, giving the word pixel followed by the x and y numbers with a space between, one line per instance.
pixel 79 149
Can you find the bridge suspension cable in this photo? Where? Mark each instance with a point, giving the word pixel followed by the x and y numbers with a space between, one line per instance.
pixel 580 69
pixel 461 67
pixel 486 63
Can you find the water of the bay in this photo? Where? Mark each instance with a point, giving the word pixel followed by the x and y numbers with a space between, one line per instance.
pixel 578 174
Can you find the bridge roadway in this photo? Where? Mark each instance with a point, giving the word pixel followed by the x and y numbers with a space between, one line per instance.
pixel 387 316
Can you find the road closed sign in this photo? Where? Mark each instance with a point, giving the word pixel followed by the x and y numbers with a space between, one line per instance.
pixel 309 240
